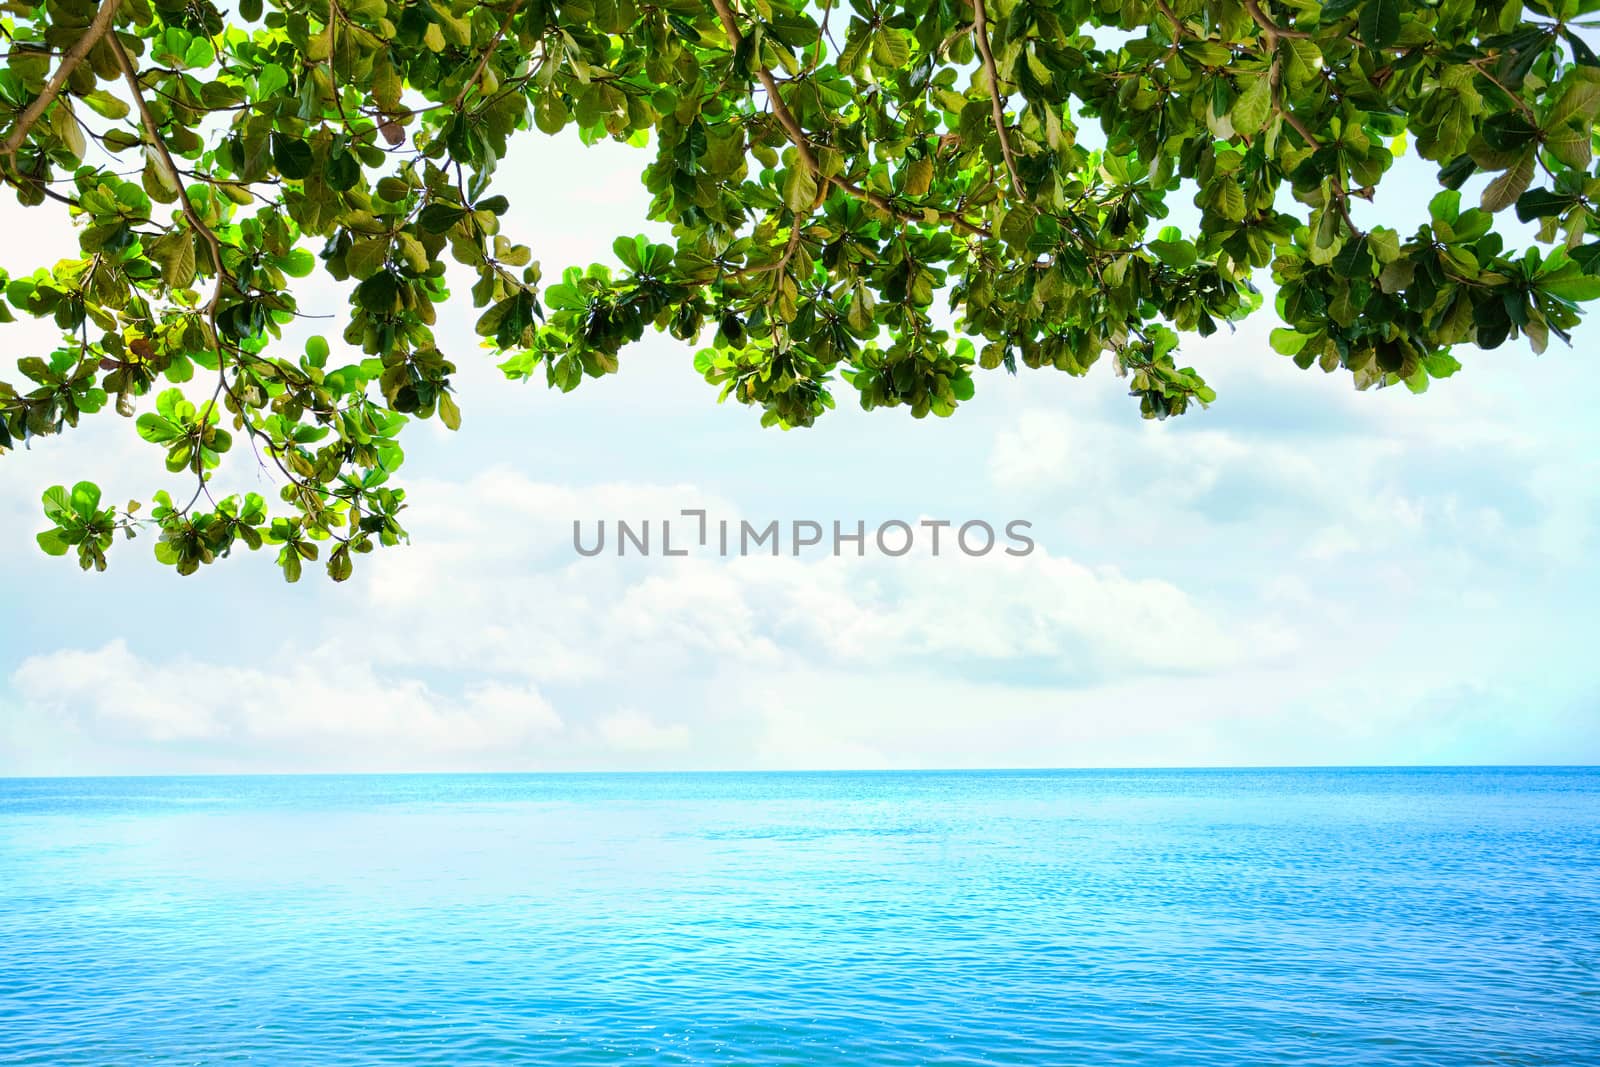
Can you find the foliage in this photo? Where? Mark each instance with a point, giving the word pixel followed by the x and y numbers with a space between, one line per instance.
pixel 830 175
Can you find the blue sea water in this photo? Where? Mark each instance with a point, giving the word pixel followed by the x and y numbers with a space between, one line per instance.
pixel 1151 917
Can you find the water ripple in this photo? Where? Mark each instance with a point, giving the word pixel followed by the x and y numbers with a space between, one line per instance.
pixel 1306 917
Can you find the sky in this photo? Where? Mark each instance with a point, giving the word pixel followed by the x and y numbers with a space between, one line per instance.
pixel 1300 575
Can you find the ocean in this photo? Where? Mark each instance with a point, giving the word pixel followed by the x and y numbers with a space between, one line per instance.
pixel 1396 917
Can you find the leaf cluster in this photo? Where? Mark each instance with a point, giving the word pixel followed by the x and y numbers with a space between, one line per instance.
pixel 883 198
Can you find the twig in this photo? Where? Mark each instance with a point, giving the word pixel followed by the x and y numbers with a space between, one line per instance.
pixel 980 34
pixel 808 158
pixel 1271 29
pixel 153 135
pixel 1341 191
pixel 196 223
pixel 1522 104
pixel 1313 142
pixel 782 263
pixel 334 11
pixel 1178 27
pixel 483 61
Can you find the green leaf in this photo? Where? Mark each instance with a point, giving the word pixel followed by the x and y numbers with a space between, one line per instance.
pixel 200 53
pixel 1440 364
pixel 57 504
pixel 1250 111
pixel 1580 100
pixel 550 113
pixel 1572 287
pixel 158 179
pixel 106 105
pixel 1354 259
pixel 272 80
pixel 1380 23
pixel 367 257
pixel 1541 203
pixel 53 543
pixel 438 218
pixel 1384 244
pixel 1230 199
pixel 379 293
pixel 1571 145
pixel 85 500
pixel 1178 254
pixel 65 126
pixel 297 263
pixel 291 155
pixel 800 189
pixel 627 249
pixel 890 48
pixel 1287 342
pixel 156 429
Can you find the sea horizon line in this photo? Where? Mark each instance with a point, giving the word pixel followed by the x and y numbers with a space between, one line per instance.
pixel 840 771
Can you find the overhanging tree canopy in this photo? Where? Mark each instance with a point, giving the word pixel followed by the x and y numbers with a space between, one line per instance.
pixel 833 175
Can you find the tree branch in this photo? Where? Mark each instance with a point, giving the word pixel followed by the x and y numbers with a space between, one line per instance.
pixel 1275 84
pixel 92 35
pixel 214 248
pixel 152 132
pixel 980 34
pixel 1522 105
pixel 1270 29
pixel 797 136
pixel 483 61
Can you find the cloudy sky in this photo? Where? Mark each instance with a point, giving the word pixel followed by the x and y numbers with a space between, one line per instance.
pixel 1300 575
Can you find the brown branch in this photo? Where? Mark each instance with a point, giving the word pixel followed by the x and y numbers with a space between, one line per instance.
pixel 797 136
pixel 334 11
pixel 779 109
pixel 214 247
pixel 955 35
pixel 980 34
pixel 1299 127
pixel 1341 191
pixel 483 61
pixel 1313 142
pixel 789 250
pixel 92 35
pixel 1522 105
pixel 152 130
pixel 1178 27
pixel 1271 30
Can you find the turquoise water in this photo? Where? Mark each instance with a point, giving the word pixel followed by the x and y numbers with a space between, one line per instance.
pixel 1194 918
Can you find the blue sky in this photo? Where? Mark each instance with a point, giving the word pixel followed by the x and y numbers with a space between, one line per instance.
pixel 1300 575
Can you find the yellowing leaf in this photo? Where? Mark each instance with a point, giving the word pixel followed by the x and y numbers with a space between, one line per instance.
pixel 175 252
pixel 1504 190
pixel 449 413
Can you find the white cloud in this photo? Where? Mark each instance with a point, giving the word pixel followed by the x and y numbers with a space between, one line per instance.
pixel 303 709
pixel 533 650
pixel 631 731
pixel 483 590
